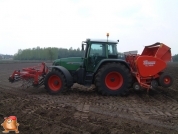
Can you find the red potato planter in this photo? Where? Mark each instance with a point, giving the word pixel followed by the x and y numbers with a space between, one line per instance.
pixel 147 68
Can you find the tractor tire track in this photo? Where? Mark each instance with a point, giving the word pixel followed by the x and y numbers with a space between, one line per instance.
pixel 132 111
pixel 159 109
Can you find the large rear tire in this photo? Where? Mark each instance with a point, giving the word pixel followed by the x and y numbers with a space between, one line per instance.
pixel 55 82
pixel 113 79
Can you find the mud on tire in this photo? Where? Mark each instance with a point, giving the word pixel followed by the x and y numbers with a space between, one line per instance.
pixel 55 82
pixel 113 79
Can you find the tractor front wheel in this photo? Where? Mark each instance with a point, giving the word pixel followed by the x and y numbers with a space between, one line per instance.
pixel 113 79
pixel 55 82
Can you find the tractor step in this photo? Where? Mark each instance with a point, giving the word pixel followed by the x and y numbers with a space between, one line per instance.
pixel 88 78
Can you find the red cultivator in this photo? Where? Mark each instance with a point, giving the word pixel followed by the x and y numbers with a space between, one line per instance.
pixel 147 67
pixel 32 76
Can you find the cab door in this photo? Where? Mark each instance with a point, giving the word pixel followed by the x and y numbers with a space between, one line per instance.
pixel 96 52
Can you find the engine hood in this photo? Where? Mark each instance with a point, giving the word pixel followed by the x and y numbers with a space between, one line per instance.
pixel 70 63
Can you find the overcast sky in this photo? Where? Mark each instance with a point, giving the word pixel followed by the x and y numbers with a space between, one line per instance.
pixel 66 23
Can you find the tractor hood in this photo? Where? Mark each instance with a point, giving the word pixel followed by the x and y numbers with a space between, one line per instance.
pixel 70 63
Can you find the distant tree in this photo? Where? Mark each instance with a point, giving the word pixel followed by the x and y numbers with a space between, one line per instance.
pixel 175 58
pixel 50 53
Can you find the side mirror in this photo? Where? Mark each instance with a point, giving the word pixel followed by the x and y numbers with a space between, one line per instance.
pixel 83 43
pixel 82 47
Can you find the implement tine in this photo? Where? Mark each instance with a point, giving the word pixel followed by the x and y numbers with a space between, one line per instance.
pixel 31 76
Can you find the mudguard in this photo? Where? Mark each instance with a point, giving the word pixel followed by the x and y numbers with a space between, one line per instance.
pixel 66 73
pixel 111 60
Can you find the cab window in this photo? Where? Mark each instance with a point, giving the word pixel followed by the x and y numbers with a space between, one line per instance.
pixel 97 49
pixel 112 50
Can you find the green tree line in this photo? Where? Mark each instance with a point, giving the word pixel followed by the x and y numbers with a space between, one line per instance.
pixel 49 53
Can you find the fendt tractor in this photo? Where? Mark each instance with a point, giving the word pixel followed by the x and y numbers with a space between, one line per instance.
pixel 102 67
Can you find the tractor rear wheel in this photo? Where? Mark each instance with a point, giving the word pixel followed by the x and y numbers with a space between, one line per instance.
pixel 55 82
pixel 113 79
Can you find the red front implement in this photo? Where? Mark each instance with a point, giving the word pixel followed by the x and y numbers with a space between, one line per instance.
pixel 36 74
pixel 147 68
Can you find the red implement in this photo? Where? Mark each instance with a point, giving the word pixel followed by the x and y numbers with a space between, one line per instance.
pixel 35 73
pixel 147 67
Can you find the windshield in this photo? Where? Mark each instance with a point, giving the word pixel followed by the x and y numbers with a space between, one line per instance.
pixel 97 49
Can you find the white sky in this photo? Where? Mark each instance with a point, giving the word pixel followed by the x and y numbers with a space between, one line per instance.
pixel 66 23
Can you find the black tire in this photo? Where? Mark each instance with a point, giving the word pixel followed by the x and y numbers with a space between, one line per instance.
pixel 136 86
pixel 162 80
pixel 110 86
pixel 50 85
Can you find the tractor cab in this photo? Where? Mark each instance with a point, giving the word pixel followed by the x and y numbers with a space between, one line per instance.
pixel 97 50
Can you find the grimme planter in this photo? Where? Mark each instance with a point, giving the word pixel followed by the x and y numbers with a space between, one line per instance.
pixel 148 67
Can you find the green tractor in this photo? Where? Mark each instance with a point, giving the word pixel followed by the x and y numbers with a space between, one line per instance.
pixel 99 66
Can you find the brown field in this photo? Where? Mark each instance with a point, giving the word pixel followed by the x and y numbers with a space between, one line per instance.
pixel 82 110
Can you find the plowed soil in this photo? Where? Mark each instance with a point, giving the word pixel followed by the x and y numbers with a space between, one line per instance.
pixel 82 111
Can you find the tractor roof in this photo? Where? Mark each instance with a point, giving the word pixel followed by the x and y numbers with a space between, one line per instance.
pixel 102 40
